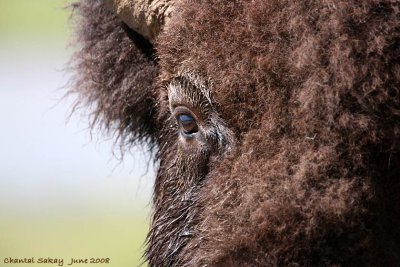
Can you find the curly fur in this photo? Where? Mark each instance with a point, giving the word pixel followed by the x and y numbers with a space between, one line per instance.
pixel 307 92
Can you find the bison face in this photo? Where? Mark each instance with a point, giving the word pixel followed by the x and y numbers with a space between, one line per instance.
pixel 276 125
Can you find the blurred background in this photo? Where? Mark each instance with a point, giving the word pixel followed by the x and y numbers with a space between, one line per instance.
pixel 62 192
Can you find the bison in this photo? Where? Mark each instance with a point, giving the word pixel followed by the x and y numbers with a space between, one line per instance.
pixel 274 124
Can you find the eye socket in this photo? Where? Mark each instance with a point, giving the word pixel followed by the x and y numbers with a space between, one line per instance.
pixel 187 123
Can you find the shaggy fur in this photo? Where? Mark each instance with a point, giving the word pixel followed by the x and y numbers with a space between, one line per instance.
pixel 115 74
pixel 299 164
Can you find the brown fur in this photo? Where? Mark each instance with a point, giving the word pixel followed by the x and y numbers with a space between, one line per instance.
pixel 114 74
pixel 301 163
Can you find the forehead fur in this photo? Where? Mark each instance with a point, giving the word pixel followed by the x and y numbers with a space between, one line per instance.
pixel 265 57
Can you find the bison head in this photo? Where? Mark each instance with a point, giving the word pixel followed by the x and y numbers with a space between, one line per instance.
pixel 275 124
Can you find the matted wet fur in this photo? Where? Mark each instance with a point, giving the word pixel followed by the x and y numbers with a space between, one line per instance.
pixel 300 102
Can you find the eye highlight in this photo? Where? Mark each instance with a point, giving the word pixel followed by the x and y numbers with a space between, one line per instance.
pixel 187 123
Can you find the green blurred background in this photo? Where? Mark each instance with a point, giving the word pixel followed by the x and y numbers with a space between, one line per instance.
pixel 62 193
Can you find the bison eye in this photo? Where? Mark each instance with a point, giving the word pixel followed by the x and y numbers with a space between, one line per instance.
pixel 187 124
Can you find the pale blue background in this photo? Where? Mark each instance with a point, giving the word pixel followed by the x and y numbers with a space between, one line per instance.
pixel 62 192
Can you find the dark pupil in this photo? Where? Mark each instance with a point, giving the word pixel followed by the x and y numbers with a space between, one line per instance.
pixel 187 123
